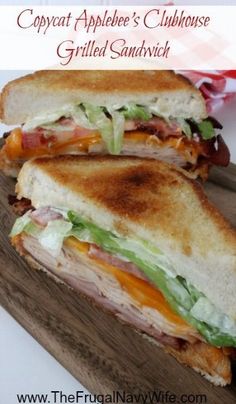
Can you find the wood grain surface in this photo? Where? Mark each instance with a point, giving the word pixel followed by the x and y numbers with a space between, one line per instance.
pixel 97 349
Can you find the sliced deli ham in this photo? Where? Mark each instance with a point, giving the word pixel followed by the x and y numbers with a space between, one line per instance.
pixel 42 216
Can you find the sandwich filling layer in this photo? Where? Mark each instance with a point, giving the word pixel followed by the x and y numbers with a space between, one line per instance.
pixel 131 299
pixel 86 128
pixel 54 228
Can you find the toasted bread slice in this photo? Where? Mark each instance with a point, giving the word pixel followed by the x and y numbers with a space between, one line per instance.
pixel 134 197
pixel 49 90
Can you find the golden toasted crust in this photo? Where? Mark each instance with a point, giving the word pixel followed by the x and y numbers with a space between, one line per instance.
pixel 137 81
pixel 207 360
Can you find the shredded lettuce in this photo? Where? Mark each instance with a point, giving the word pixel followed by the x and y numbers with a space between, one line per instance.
pixel 56 126
pixel 204 310
pixel 20 224
pixel 48 118
pixel 110 122
pixel 206 129
pixel 185 127
pixel 52 236
pixel 111 128
pixel 81 119
pixel 133 111
pixel 118 122
pixel 97 117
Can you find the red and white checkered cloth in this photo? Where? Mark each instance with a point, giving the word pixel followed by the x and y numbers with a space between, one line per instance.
pixel 217 86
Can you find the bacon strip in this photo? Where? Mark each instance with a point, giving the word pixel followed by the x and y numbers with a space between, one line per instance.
pixel 36 139
pixel 45 137
pixel 19 207
pixel 161 128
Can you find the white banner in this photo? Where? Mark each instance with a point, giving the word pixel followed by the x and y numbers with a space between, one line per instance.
pixel 122 37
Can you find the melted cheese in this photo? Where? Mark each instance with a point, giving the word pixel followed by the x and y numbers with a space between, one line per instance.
pixel 83 247
pixel 140 290
pixel 14 149
pixel 13 144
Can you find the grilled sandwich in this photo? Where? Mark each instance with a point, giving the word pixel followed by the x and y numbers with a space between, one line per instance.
pixel 152 114
pixel 143 241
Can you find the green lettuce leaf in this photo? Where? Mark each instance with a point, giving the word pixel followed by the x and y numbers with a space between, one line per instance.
pixel 118 123
pixel 133 111
pixel 98 118
pixel 206 129
pixel 81 119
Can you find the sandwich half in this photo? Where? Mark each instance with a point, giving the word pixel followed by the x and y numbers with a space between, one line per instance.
pixel 156 114
pixel 143 241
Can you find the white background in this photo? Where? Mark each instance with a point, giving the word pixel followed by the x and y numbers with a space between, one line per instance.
pixel 25 367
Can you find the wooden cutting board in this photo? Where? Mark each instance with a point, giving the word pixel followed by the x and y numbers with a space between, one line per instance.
pixel 103 354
